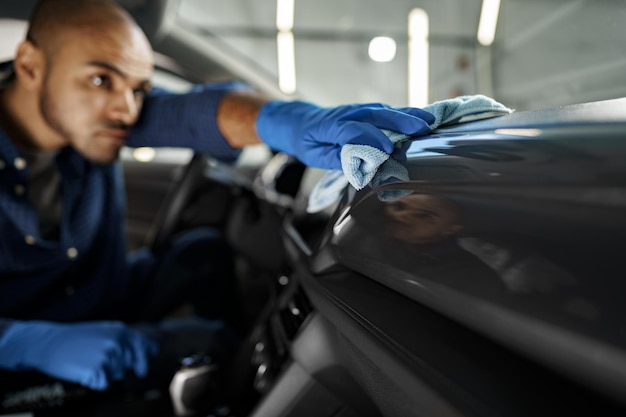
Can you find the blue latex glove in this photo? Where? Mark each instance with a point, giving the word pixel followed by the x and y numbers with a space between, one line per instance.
pixel 92 354
pixel 315 134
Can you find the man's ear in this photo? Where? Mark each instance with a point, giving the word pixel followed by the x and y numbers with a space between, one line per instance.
pixel 29 65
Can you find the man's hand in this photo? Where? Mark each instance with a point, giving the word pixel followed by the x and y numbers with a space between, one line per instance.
pixel 315 135
pixel 92 354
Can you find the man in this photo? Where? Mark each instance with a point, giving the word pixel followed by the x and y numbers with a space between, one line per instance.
pixel 77 85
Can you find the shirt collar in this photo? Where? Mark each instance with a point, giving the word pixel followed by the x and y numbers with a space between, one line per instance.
pixel 8 151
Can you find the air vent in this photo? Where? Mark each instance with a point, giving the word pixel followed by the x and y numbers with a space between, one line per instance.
pixel 295 313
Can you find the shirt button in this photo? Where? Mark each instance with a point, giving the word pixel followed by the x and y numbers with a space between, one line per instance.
pixel 30 239
pixel 19 163
pixel 69 290
pixel 72 253
pixel 19 189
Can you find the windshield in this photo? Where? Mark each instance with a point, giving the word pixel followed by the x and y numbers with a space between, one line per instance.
pixel 530 54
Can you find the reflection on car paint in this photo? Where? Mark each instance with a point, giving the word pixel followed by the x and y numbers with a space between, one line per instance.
pixel 531 226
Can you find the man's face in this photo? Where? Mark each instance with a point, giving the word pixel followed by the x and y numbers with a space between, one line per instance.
pixel 94 87
pixel 421 219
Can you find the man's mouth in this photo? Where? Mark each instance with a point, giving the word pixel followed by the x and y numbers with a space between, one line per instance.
pixel 117 135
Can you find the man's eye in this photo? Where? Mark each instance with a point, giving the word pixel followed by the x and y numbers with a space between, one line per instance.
pixel 140 92
pixel 99 80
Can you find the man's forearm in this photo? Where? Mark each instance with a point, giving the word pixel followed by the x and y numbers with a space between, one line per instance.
pixel 236 117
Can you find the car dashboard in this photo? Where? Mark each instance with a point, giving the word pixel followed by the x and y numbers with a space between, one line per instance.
pixel 489 284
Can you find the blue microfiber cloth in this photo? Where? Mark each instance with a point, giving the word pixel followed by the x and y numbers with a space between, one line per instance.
pixel 362 164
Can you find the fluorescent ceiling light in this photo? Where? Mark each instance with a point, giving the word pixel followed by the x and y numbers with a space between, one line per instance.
pixel 382 49
pixel 286 46
pixel 284 14
pixel 488 22
pixel 418 58
pixel 286 62
pixel 519 132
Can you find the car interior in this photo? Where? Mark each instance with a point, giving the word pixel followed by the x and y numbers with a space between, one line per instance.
pixel 487 281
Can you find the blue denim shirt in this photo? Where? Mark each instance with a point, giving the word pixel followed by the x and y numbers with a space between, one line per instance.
pixel 84 275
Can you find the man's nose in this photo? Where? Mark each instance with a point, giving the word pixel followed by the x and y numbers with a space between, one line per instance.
pixel 125 107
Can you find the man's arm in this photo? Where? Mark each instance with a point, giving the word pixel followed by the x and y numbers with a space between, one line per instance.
pixel 190 120
pixel 311 133
pixel 236 117
pixel 222 118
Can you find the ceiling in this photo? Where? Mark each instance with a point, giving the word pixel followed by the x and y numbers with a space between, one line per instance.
pixel 545 53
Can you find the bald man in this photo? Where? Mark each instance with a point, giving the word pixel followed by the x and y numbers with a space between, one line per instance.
pixel 77 91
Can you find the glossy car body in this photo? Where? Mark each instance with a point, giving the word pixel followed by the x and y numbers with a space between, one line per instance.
pixel 515 312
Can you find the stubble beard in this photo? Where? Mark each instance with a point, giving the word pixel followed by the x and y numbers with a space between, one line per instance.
pixel 50 112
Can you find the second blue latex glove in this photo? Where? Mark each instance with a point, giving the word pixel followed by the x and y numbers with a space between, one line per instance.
pixel 92 354
pixel 316 134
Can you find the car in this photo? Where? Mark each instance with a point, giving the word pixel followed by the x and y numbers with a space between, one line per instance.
pixel 486 280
